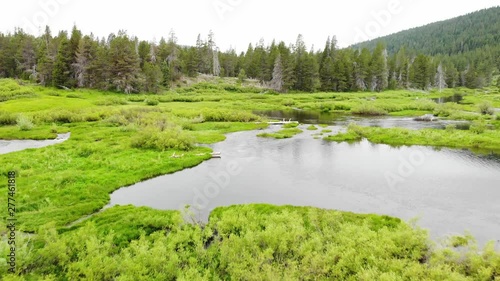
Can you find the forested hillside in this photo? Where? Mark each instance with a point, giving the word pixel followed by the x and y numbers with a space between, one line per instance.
pixel 459 52
pixel 459 35
pixel 467 46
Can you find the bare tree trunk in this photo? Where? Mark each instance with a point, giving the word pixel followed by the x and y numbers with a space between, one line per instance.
pixel 216 64
pixel 440 78
pixel 277 81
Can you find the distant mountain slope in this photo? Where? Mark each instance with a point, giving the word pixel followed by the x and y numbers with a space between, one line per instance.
pixel 459 35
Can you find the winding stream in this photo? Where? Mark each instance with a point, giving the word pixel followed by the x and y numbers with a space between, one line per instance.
pixel 8 146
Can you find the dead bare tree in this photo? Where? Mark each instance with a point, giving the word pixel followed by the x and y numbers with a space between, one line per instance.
pixel 440 78
pixel 277 81
pixel 216 63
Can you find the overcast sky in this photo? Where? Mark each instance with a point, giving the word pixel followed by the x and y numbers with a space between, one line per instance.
pixel 236 23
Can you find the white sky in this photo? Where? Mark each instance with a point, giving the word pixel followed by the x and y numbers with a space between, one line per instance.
pixel 235 23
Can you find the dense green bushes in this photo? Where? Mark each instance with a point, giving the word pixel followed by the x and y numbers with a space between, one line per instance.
pixel 246 242
pixel 10 89
pixel 7 118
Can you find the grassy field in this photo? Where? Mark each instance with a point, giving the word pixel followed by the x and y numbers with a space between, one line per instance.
pixel 118 140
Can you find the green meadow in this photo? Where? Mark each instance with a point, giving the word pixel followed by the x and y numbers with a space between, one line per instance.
pixel 118 140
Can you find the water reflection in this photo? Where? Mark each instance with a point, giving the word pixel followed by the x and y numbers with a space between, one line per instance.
pixel 307 117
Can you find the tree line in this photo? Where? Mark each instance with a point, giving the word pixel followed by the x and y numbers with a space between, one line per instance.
pixel 126 64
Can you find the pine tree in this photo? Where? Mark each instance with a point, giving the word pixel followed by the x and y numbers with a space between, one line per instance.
pixel 242 76
pixel 326 67
pixel 421 73
pixel 379 71
pixel 61 74
pixel 471 77
pixel 153 77
pixel 144 51
pixel 191 62
pixel 45 62
pixel 123 64
pixel 361 70
pixel 85 54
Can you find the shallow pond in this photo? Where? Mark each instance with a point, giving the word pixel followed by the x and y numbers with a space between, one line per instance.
pixel 456 98
pixel 307 117
pixel 449 190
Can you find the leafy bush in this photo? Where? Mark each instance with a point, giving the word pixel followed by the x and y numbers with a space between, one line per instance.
pixel 478 127
pixel 134 98
pixel 222 115
pixel 24 123
pixel 152 101
pixel 111 101
pixel 54 94
pixel 7 118
pixel 288 102
pixel 446 109
pixel 187 99
pixel 74 96
pixel 10 89
pixel 325 107
pixel 486 108
pixel 171 138
pixel 424 104
pixel 368 109
pixel 53 128
pixel 117 119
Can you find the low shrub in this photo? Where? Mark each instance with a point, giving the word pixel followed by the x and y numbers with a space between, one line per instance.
pixel 486 108
pixel 152 101
pixel 187 99
pixel 24 123
pixel 478 127
pixel 171 138
pixel 74 96
pixel 134 98
pixel 111 101
pixel 221 115
pixel 7 118
pixel 288 102
pixel 368 109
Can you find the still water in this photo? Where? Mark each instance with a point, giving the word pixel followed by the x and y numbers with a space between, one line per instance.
pixel 450 191
pixel 309 117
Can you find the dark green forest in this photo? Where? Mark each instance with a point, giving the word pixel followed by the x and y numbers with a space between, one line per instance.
pixel 454 53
